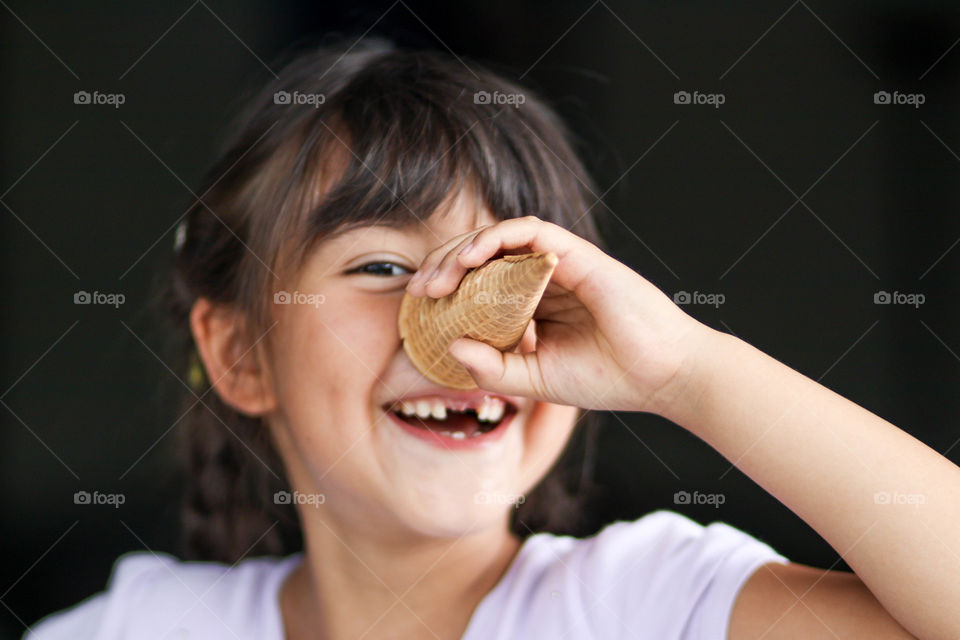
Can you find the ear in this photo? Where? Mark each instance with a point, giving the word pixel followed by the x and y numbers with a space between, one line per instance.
pixel 234 367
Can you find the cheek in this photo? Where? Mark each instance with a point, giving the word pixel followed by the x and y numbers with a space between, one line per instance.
pixel 548 431
pixel 327 362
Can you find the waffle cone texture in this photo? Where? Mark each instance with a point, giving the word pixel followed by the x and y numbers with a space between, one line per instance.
pixel 493 304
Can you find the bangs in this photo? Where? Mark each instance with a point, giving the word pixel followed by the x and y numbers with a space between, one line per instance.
pixel 396 143
pixel 382 138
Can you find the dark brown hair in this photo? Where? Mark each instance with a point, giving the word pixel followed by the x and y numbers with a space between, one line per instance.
pixel 347 137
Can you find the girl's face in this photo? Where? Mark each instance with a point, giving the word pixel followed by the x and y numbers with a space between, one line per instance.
pixel 338 372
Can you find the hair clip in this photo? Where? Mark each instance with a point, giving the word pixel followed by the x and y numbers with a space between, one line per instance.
pixel 180 236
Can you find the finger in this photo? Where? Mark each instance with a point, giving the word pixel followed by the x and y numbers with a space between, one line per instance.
pixel 433 259
pixel 528 342
pixel 577 257
pixel 449 271
pixel 506 373
pixel 427 266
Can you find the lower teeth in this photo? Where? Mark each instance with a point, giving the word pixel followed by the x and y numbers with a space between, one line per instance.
pixel 483 427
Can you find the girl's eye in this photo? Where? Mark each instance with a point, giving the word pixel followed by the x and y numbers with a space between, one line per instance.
pixel 381 269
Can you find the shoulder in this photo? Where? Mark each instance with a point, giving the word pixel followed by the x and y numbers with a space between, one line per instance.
pixel 154 595
pixel 683 576
pixel 663 573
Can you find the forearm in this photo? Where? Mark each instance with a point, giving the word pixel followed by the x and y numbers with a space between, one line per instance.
pixel 832 462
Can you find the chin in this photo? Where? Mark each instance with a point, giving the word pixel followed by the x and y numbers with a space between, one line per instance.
pixel 452 519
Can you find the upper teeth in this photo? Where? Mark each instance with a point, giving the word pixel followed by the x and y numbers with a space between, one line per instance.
pixel 490 409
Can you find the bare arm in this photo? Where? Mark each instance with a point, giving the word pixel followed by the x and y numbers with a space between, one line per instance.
pixel 785 601
pixel 609 339
pixel 886 502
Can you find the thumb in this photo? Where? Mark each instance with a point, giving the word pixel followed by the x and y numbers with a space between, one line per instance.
pixel 494 370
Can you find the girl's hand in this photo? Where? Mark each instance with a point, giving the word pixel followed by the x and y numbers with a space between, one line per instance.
pixel 605 337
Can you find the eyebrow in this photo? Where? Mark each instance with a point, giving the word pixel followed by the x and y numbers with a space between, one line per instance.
pixel 406 227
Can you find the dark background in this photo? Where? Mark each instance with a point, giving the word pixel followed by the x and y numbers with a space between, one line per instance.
pixel 697 199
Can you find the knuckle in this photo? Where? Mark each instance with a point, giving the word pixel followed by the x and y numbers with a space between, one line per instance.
pixel 550 226
pixel 449 258
pixel 481 234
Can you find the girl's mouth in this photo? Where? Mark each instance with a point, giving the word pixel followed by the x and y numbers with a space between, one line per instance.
pixel 453 422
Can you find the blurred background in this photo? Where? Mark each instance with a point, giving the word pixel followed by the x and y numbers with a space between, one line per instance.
pixel 788 171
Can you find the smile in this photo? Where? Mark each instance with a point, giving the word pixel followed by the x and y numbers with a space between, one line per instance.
pixel 453 419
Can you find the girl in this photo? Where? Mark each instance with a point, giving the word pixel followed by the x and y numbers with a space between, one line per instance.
pixel 364 172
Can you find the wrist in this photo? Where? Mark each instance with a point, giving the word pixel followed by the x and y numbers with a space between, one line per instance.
pixel 685 392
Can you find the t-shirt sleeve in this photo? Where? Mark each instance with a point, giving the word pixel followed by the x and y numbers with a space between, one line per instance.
pixel 667 576
pixel 90 619
pixel 80 622
pixel 155 596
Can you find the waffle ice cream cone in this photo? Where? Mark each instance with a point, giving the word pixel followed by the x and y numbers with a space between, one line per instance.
pixel 493 304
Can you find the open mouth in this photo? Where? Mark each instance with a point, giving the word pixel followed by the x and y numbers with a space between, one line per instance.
pixel 454 419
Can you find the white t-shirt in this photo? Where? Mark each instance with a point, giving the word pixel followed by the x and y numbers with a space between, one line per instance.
pixel 662 576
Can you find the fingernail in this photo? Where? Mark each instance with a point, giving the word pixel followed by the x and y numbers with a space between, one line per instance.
pixel 433 275
pixel 467 249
